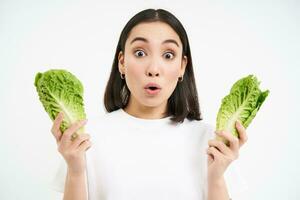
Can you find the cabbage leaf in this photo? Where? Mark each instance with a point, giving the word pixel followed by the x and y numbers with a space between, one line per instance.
pixel 61 91
pixel 242 104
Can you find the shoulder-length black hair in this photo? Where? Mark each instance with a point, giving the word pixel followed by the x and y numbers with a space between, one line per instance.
pixel 183 103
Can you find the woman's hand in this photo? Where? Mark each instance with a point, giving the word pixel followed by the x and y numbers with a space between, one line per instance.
pixel 220 156
pixel 71 148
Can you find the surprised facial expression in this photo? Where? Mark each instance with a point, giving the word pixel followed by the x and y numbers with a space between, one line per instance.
pixel 153 55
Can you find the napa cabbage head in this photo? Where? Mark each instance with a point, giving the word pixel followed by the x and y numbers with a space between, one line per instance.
pixel 242 104
pixel 61 91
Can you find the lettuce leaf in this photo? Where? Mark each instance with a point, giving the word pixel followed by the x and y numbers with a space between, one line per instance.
pixel 242 103
pixel 61 91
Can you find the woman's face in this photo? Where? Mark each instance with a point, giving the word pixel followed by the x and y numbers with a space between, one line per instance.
pixel 153 54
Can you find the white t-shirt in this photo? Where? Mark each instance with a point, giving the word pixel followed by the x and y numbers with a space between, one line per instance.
pixel 133 159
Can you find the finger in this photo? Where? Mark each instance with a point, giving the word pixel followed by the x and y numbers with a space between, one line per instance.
pixel 216 154
pixel 242 133
pixel 233 141
pixel 210 158
pixel 84 146
pixel 56 126
pixel 66 137
pixel 220 146
pixel 81 138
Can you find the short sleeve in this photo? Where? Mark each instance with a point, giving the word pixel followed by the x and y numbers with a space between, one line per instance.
pixel 58 181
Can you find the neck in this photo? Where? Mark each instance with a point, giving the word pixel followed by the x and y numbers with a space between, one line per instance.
pixel 146 112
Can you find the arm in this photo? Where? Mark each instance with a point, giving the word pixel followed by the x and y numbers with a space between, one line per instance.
pixel 75 187
pixel 220 156
pixel 217 190
pixel 73 151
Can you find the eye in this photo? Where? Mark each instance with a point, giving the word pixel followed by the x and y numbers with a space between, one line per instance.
pixel 139 53
pixel 169 55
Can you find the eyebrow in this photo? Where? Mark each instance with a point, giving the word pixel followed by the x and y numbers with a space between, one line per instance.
pixel 145 40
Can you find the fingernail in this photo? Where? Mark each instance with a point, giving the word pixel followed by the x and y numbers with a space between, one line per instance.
pixel 59 115
pixel 81 121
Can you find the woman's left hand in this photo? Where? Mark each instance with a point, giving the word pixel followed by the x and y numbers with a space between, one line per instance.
pixel 220 156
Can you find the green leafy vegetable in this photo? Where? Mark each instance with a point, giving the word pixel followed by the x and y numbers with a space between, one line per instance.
pixel 242 104
pixel 61 91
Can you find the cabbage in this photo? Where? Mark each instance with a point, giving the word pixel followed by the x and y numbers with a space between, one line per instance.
pixel 242 103
pixel 61 91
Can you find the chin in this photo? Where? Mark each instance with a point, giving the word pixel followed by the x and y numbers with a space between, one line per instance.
pixel 151 102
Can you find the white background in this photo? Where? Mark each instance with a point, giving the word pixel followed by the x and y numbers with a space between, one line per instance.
pixel 229 40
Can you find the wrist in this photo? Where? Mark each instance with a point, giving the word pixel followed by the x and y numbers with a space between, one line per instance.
pixel 217 189
pixel 76 173
pixel 216 182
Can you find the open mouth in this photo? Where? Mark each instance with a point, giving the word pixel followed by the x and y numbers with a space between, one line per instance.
pixel 152 90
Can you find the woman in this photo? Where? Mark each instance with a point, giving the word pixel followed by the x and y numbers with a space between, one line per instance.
pixel 152 143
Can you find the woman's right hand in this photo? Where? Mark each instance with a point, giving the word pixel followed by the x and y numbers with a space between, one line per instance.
pixel 72 150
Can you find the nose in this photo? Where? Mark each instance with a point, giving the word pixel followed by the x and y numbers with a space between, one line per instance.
pixel 152 74
pixel 153 69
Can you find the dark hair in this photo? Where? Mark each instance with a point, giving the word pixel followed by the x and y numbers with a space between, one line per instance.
pixel 183 103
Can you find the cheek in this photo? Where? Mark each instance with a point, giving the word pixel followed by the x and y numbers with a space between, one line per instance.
pixel 134 72
pixel 172 73
pixel 133 68
pixel 171 78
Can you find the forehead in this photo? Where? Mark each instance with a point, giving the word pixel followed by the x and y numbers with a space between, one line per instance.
pixel 154 32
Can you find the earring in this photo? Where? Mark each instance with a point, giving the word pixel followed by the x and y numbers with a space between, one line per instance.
pixel 122 76
pixel 180 79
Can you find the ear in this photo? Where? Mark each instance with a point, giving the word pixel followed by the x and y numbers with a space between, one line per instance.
pixel 121 62
pixel 183 65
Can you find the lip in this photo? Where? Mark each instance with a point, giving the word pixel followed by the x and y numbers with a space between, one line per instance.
pixel 152 85
pixel 152 92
